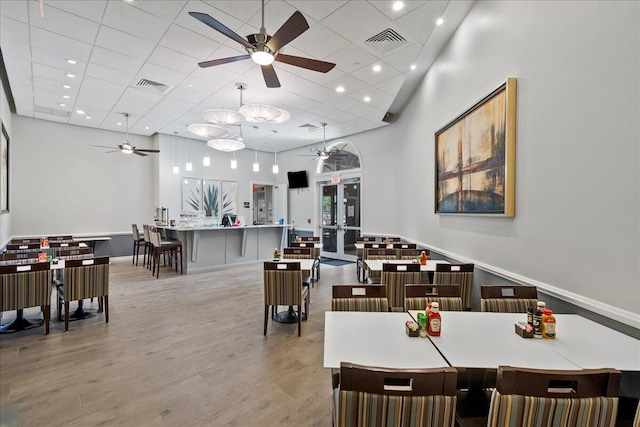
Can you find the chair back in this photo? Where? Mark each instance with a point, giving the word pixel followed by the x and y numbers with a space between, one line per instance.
pixel 85 278
pixel 375 246
pixel 359 298
pixel 461 274
pixel 310 239
pixel 25 285
pixel 379 253
pixel 395 397
pixel 282 283
pixel 145 233
pixel 395 277
pixel 64 244
pixel 75 253
pixel 417 297
pixel 24 241
pixel 404 246
pixel 508 298
pixel 19 256
pixel 307 244
pixel 410 253
pixel 393 239
pixel 580 398
pixel 366 239
pixel 297 253
pixel 22 247
pixel 154 237
pixel 59 238
pixel 135 232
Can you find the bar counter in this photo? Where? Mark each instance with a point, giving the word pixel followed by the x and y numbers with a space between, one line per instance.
pixel 210 248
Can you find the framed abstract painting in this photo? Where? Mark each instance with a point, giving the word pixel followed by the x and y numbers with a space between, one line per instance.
pixel 475 157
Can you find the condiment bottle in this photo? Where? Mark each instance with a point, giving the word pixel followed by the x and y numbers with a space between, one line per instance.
pixel 548 325
pixel 423 258
pixel 537 323
pixel 530 311
pixel 422 325
pixel 386 240
pixel 434 321
pixel 427 310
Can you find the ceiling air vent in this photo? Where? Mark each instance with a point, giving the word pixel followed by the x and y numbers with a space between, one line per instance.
pixel 51 111
pixel 309 127
pixel 385 42
pixel 155 86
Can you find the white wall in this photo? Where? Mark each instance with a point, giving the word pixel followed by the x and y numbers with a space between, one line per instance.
pixel 6 117
pixel 61 184
pixel 577 223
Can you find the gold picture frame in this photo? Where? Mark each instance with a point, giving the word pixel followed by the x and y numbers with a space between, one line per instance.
pixel 475 157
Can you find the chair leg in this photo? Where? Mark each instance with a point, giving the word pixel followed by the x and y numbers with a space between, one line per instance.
pixel 299 319
pixel 59 310
pixel 47 318
pixel 266 315
pixel 106 308
pixel 66 316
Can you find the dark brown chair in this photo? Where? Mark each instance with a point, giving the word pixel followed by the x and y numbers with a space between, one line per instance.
pixel 376 251
pixel 508 298
pixel 22 247
pixel 24 241
pixel 461 274
pixel 359 298
pixel 19 257
pixel 415 397
pixel 138 241
pixel 162 247
pixel 315 251
pixel 417 297
pixel 310 239
pixel 60 238
pixel 75 253
pixel 580 398
pixel 368 243
pixel 404 246
pixel 283 285
pixel 297 253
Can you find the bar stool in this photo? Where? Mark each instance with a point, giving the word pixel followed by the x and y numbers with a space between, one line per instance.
pixel 162 247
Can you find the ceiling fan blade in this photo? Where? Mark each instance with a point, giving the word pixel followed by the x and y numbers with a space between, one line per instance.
pixel 113 151
pixel 146 151
pixel 205 64
pixel 101 146
pixel 270 77
pixel 139 153
pixel 216 25
pixel 308 63
pixel 295 25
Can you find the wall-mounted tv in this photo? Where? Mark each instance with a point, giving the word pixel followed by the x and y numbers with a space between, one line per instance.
pixel 298 179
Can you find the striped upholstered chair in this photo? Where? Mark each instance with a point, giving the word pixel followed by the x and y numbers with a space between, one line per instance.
pixel 26 285
pixel 315 255
pixel 508 298
pixel 418 296
pixel 360 255
pixel 461 274
pixel 359 298
pixel 84 278
pixel 538 397
pixel 369 396
pixel 283 286
pixel 395 277
pixel 376 251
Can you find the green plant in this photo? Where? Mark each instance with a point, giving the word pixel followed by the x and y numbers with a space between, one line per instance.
pixel 227 204
pixel 194 199
pixel 210 200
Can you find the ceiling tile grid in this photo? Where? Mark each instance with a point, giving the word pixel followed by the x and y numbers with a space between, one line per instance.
pixel 116 43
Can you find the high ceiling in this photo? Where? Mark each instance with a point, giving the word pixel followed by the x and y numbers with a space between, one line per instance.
pixel 117 43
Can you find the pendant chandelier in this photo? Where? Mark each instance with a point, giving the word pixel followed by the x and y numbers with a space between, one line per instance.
pixel 207 130
pixel 226 145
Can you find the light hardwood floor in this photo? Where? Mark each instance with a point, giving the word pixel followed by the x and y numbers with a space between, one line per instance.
pixel 177 351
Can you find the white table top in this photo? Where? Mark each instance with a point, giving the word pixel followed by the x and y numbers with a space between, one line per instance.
pixel 376 264
pixel 305 264
pixel 591 345
pixel 375 339
pixel 487 340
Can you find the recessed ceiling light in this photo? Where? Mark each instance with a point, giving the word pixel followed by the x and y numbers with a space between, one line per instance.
pixel 367 99
pixel 413 67
pixel 440 21
pixel 87 117
pixel 398 5
pixel 189 85
pixel 71 76
pixel 119 123
pixel 340 89
pixel 146 127
pixel 71 61
pixel 65 96
pixel 377 68
pixel 62 105
pixel 66 86
pixel 80 112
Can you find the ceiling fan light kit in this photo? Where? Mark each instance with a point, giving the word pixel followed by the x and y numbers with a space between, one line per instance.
pixel 126 147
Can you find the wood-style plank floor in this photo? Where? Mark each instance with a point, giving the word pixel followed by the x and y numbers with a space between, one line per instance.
pixel 177 351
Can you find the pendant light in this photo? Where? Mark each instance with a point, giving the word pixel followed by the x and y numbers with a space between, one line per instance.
pixel 189 165
pixel 126 146
pixel 223 116
pixel 324 154
pixel 275 169
pixel 176 169
pixel 256 165
pixel 234 161
pixel 206 160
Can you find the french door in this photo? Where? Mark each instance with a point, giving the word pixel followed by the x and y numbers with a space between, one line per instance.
pixel 340 218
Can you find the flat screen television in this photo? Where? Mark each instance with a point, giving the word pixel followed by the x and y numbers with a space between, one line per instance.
pixel 298 179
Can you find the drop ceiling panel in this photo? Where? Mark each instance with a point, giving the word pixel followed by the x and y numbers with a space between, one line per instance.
pixel 241 10
pixel 50 117
pixel 17 10
pixel 103 86
pixel 19 72
pixel 54 85
pixel 392 85
pixel 201 86
pixel 53 73
pixel 173 60
pixel 97 117
pixel 108 74
pixel 22 93
pixel 123 43
pixel 63 23
pixel 46 57
pixel 24 108
pixel 351 58
pixel 317 9
pixel 357 21
pixel 344 103
pixel 182 94
pixel 159 74
pixel 190 43
pixel 386 7
pixel 124 17
pixel 421 22
pixel 367 75
pixel 92 10
pixel 142 95
pixel 167 10
pixel 276 13
pixel 69 47
pixel 403 59
pixel 14 30
pixel 89 100
pixel 319 42
pixel 115 60
pixel 15 49
pixel 379 99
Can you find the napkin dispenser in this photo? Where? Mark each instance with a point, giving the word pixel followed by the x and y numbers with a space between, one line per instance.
pixel 524 329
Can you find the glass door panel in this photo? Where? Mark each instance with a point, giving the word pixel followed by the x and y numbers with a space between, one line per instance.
pixel 340 219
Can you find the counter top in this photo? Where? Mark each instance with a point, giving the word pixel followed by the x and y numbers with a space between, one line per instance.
pixel 214 227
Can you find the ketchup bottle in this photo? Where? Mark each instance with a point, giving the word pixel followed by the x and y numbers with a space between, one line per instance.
pixel 434 322
pixel 423 258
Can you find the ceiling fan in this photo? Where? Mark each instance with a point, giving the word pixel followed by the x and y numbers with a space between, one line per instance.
pixel 264 49
pixel 325 153
pixel 126 147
